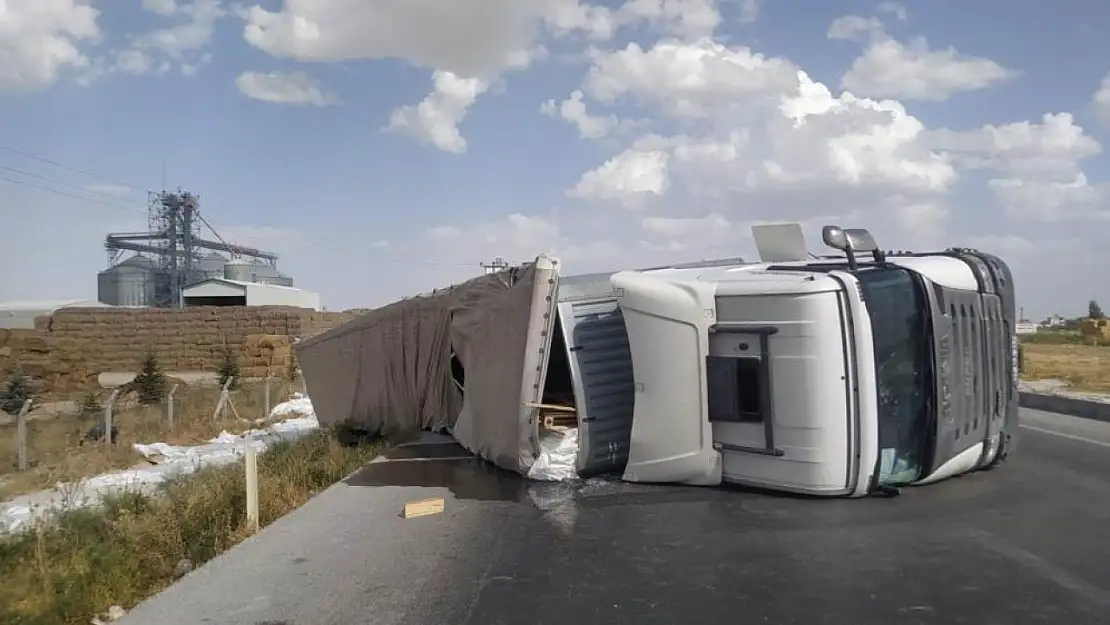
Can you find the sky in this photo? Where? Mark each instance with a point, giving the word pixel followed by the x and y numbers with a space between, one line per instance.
pixel 387 147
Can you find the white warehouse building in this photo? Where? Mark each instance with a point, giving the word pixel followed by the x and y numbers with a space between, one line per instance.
pixel 225 292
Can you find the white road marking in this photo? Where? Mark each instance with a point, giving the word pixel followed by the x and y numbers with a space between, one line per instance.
pixel 1073 437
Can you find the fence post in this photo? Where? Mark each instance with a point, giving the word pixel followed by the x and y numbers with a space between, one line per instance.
pixel 251 463
pixel 108 416
pixel 269 378
pixel 21 434
pixel 169 408
pixel 225 401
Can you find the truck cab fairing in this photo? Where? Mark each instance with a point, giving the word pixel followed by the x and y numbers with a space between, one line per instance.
pixel 743 376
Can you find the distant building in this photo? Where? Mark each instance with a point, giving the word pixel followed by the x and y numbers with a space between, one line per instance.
pixel 138 280
pixel 21 315
pixel 224 292
pixel 1055 321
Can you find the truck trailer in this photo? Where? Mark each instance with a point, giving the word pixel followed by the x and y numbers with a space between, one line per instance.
pixel 850 374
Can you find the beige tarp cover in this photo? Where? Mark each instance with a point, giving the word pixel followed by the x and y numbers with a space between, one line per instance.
pixel 388 371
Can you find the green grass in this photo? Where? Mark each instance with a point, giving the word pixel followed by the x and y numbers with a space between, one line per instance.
pixel 126 550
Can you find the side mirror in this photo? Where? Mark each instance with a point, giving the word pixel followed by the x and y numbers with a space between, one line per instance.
pixel 850 241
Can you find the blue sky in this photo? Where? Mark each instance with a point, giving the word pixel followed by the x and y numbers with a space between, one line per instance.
pixel 277 115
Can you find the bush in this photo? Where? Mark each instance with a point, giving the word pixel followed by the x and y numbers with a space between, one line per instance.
pixel 17 390
pixel 129 548
pixel 151 382
pixel 1061 337
pixel 91 407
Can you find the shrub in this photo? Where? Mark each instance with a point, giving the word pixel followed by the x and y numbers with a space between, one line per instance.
pixel 17 390
pixel 151 382
pixel 91 406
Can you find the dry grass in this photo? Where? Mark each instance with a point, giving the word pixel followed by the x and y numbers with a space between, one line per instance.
pixel 127 550
pixel 54 452
pixel 1084 367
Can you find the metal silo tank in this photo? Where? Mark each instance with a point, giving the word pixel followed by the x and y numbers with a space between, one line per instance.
pixel 135 282
pixel 211 266
pixel 239 270
pixel 129 283
pixel 107 287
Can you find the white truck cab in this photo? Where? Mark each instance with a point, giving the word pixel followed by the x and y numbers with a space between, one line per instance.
pixel 838 376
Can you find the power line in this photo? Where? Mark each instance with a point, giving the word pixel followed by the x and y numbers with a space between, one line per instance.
pixel 65 184
pixel 64 166
pixel 69 195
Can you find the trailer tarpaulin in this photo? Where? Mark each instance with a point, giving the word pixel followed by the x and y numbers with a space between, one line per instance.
pixel 389 371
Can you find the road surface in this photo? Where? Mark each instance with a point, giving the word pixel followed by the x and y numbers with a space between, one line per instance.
pixel 1027 543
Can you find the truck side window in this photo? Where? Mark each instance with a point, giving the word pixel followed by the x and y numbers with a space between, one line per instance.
pixel 735 388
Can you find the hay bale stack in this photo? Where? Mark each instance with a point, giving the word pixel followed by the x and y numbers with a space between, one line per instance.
pixel 69 349
pixel 266 354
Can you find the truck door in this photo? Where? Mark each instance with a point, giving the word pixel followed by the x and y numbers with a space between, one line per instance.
pixel 668 333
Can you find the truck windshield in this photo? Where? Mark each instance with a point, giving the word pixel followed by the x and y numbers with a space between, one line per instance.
pixel 903 370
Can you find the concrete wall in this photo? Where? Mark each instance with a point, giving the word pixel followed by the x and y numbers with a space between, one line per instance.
pixel 70 348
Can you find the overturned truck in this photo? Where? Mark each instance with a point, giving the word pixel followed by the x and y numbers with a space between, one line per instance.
pixel 499 362
pixel 841 375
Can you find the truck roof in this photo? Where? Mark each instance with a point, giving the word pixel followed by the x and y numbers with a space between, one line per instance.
pixel 750 278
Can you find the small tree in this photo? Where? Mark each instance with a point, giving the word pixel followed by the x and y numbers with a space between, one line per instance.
pixel 229 370
pixel 91 407
pixel 1094 311
pixel 17 390
pixel 151 382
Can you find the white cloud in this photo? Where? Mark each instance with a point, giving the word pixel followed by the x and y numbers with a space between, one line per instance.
pixel 790 142
pixel 911 71
pixel 627 178
pixel 915 72
pixel 1039 166
pixel 284 88
pixel 191 35
pixel 41 38
pixel 161 7
pixel 573 110
pixel 463 38
pixel 1101 101
pixel 132 62
pixel 564 17
pixel 1053 200
pixel 435 120
pixel 689 79
pixel 184 44
pixel 855 28
pixel 690 19
pixel 896 9
pixel 749 11
pixel 1053 147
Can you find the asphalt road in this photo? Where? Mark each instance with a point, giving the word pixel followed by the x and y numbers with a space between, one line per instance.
pixel 1027 543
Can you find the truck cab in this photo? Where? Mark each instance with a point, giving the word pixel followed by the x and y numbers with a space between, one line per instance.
pixel 839 375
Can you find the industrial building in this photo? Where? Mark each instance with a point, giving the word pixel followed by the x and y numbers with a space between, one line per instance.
pixel 172 255
pixel 224 292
